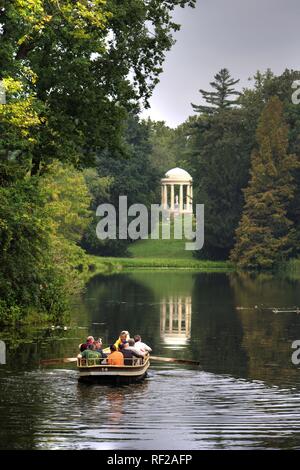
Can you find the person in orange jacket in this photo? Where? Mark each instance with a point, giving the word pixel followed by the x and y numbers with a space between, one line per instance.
pixel 115 358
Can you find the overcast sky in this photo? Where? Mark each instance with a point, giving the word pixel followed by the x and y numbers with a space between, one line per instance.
pixel 241 35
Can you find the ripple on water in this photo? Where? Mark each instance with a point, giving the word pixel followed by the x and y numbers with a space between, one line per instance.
pixel 174 409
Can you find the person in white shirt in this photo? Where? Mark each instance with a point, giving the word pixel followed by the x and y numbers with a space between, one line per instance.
pixel 131 345
pixel 140 346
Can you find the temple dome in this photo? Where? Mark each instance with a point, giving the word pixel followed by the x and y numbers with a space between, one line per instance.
pixel 178 174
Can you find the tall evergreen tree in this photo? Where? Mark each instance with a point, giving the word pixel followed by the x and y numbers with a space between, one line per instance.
pixel 264 233
pixel 221 97
pixel 218 158
pixel 253 100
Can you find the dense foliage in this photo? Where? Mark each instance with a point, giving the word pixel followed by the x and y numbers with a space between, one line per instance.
pixel 216 147
pixel 133 176
pixel 264 236
pixel 71 71
pixel 82 65
pixel 40 222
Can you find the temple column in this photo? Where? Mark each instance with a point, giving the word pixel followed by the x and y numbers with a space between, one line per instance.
pixel 162 195
pixel 181 198
pixel 188 317
pixel 163 320
pixel 188 202
pixel 165 196
pixel 171 306
pixel 172 197
pixel 179 315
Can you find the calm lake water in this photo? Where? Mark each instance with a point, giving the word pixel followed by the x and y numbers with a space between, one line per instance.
pixel 245 394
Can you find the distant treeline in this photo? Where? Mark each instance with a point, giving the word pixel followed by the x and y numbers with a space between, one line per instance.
pixel 243 151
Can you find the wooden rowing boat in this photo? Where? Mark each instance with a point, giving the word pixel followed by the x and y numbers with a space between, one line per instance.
pixel 95 371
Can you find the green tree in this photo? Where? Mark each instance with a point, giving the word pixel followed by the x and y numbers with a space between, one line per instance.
pixel 74 58
pixel 217 153
pixel 133 176
pixel 41 221
pixel 169 146
pixel 183 135
pixel 162 138
pixel 68 200
pixel 72 71
pixel 221 97
pixel 23 239
pixel 217 156
pixel 264 233
pixel 253 101
pixel 68 206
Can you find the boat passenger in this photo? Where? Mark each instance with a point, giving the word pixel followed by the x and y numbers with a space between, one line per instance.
pixel 131 345
pixel 99 348
pixel 140 346
pixel 129 354
pixel 84 346
pixel 124 336
pixel 91 353
pixel 115 358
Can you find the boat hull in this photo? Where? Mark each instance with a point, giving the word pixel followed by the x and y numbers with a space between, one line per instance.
pixel 104 374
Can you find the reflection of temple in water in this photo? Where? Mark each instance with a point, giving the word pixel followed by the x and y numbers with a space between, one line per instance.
pixel 175 320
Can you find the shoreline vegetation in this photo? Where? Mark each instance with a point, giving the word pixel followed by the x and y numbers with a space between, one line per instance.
pixel 105 265
pixel 111 265
pixel 100 265
pixel 157 254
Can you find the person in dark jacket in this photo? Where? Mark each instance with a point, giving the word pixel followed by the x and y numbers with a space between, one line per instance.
pixel 99 348
pixel 129 354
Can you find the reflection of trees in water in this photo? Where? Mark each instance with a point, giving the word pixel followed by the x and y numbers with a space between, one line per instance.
pixel 26 346
pixel 223 338
pixel 122 302
pixel 22 408
pixel 264 290
pixel 267 336
pixel 216 329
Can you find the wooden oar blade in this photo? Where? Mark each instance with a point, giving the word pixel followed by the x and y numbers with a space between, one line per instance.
pixel 174 361
pixel 63 360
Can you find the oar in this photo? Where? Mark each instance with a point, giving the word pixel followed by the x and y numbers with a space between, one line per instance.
pixel 174 361
pixel 69 360
pixel 63 360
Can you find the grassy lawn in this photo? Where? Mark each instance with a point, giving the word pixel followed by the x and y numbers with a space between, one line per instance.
pixel 157 254
pixel 166 249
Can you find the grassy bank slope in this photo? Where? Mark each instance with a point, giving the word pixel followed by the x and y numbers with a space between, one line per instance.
pixel 165 249
pixel 158 254
pixel 101 265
